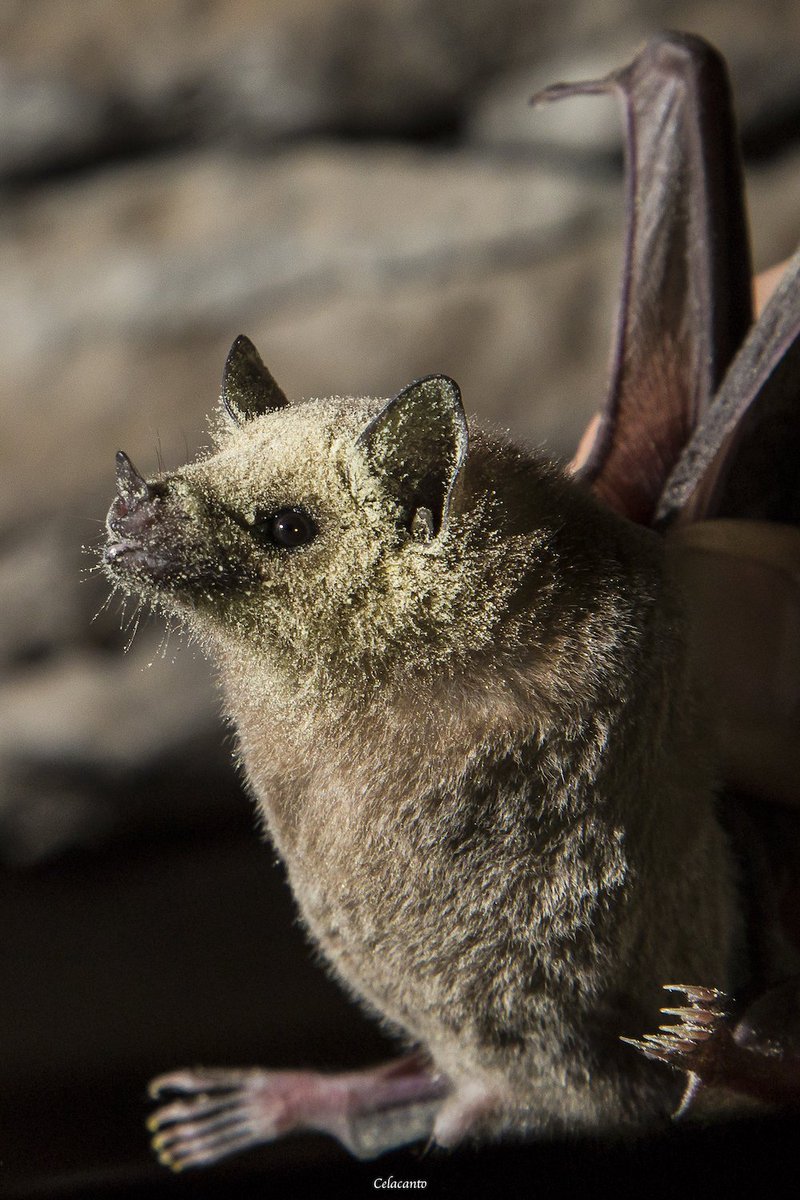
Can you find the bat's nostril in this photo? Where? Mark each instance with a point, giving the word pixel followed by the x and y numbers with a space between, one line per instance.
pixel 132 518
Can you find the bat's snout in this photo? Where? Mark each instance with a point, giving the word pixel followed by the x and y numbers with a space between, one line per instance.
pixel 134 522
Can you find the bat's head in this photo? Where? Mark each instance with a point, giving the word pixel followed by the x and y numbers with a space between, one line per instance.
pixel 338 535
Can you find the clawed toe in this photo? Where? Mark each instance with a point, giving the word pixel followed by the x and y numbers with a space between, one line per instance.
pixel 693 1016
pixel 167 1134
pixel 684 1043
pixel 696 993
pixel 217 1113
pixel 210 1113
pixel 661 1047
pixel 192 1081
pixel 191 1148
pixel 694 1033
pixel 188 1110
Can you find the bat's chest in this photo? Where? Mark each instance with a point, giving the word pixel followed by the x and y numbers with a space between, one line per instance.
pixel 398 928
pixel 407 895
pixel 465 903
pixel 452 928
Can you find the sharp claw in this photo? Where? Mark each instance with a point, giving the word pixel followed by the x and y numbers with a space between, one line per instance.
pixel 177 1081
pixel 659 1056
pixel 678 1044
pixel 637 1042
pixel 162 1143
pixel 647 1049
pixel 694 1032
pixel 560 91
pixel 195 1082
pixel 694 991
pixel 182 1110
pixel 692 1016
pixel 199 1132
pixel 166 1161
pixel 201 1151
pixel 693 1086
pixel 670 1043
pixel 659 1039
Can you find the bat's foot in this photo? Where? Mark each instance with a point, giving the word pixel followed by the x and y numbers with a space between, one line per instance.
pixel 756 1055
pixel 692 1043
pixel 213 1113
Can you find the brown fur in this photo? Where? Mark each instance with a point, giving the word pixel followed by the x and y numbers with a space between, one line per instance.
pixel 477 753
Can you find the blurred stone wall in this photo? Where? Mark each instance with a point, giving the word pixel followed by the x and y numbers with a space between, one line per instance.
pixel 361 187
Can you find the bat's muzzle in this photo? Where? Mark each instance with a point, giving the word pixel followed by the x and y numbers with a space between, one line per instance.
pixel 135 524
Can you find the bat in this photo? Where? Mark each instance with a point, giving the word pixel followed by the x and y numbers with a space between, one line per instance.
pixel 471 698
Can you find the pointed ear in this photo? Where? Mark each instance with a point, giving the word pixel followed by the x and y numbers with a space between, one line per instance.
pixel 416 446
pixel 248 389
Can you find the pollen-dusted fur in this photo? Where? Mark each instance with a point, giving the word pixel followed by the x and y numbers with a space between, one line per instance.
pixel 465 710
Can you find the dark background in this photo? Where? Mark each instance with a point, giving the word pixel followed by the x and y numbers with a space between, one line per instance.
pixel 360 186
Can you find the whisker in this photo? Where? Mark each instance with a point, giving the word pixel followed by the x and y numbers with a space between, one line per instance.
pixel 102 607
pixel 137 617
pixel 159 453
pixel 134 615
pixel 162 645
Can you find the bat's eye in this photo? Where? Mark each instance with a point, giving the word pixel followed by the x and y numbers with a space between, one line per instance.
pixel 288 528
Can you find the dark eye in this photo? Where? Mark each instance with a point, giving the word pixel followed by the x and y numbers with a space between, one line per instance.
pixel 288 528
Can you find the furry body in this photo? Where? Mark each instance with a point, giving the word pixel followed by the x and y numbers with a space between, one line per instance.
pixel 477 753
pixel 464 692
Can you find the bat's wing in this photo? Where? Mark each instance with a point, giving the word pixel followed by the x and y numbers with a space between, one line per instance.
pixel 702 422
pixel 703 415
pixel 743 459
pixel 686 295
pixel 742 572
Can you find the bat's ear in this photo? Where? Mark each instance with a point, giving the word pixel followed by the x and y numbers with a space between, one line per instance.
pixel 416 446
pixel 248 389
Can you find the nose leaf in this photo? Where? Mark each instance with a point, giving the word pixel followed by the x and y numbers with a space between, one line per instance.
pixel 131 487
pixel 135 506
